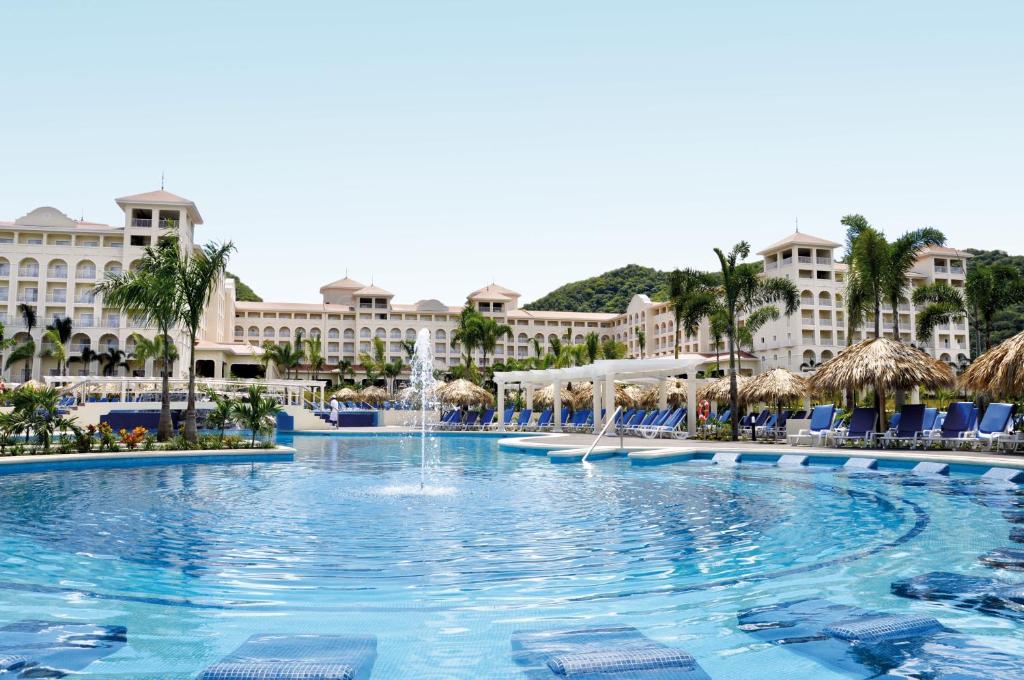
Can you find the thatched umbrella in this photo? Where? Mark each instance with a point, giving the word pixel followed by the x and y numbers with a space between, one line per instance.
pixel 346 394
pixel 546 397
pixel 884 365
pixel 719 389
pixel 583 395
pixel 677 394
pixel 998 372
pixel 462 392
pixel 774 387
pixel 373 395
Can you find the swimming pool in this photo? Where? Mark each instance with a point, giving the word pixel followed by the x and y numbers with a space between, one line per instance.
pixel 193 559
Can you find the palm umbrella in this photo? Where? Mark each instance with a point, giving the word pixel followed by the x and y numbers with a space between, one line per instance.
pixel 884 365
pixel 998 371
pixel 677 394
pixel 774 387
pixel 583 395
pixel 719 389
pixel 462 392
pixel 346 394
pixel 546 397
pixel 373 395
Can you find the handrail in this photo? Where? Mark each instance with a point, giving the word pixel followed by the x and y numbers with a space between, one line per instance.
pixel 604 429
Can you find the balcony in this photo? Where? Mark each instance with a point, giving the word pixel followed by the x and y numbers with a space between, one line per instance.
pixel 79 347
pixel 787 261
pixel 3 295
pixel 5 270
pixel 28 272
pixel 805 259
pixel 771 265
pixel 956 270
pixel 141 222
pixel 58 273
pixel 168 224
pixel 139 323
pixel 85 274
pixel 824 322
pixel 824 260
pixel 28 297
pixel 84 323
pixel 941 269
pixel 112 322
pixel 89 244
pixel 807 321
pixel 61 296
pixel 86 298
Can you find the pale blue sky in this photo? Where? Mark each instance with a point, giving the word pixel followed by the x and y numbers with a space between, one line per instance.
pixel 435 146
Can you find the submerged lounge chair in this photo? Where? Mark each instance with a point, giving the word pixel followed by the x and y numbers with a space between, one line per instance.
pixel 298 657
pixel 871 644
pixel 615 652
pixel 55 649
pixel 983 593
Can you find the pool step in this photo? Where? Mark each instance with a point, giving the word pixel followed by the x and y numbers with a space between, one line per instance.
pixel 660 456
pixel 576 455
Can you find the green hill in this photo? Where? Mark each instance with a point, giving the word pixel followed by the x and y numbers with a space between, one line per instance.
pixel 1010 321
pixel 608 292
pixel 243 293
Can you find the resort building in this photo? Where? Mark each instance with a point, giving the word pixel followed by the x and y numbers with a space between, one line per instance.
pixel 52 262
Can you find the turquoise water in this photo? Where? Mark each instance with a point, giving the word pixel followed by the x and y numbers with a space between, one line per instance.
pixel 193 559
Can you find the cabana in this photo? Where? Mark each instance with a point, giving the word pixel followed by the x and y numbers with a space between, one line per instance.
pixel 605 374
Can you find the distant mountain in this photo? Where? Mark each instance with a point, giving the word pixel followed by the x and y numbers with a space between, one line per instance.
pixel 243 292
pixel 1010 321
pixel 609 292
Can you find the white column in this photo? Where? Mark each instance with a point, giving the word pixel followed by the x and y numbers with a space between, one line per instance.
pixel 501 405
pixel 529 397
pixel 663 394
pixel 557 397
pixel 691 403
pixel 609 396
pixel 598 421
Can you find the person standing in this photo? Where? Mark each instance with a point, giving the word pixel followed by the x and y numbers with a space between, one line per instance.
pixel 334 411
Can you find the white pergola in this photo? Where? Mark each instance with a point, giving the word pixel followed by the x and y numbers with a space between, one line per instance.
pixel 604 374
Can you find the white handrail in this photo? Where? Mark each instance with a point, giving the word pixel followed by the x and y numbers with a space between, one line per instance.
pixel 601 433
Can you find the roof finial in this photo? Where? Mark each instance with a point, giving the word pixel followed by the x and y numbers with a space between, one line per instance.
pixel 161 180
pixel 797 221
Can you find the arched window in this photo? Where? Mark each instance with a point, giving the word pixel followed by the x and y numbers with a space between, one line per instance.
pixel 364 332
pixel 254 332
pixel 333 334
pixel 410 333
pixel 239 331
pixel 86 270
pixel 57 269
pixel 381 333
pixel 396 334
pixel 268 332
pixel 285 332
pixel 440 334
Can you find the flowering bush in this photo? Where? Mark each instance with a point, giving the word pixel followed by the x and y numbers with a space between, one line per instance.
pixel 108 442
pixel 132 439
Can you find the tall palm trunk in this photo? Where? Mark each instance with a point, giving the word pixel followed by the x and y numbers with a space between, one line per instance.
pixel 165 428
pixel 191 431
pixel 733 396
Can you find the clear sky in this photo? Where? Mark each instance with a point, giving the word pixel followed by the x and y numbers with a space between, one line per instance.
pixel 434 146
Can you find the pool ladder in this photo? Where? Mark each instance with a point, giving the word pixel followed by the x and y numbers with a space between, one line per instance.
pixel 615 414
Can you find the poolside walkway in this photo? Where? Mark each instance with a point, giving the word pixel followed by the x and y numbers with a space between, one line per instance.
pixel 546 441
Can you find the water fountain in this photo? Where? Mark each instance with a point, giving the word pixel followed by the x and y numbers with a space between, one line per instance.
pixel 423 383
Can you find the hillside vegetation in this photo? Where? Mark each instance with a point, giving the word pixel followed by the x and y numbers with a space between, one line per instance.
pixel 608 292
pixel 243 292
pixel 1010 321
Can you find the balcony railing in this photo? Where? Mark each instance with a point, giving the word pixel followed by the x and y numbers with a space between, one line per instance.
pixel 31 272
pixel 141 222
pixel 84 323
pixel 28 297
pixel 805 259
pixel 5 271
pixel 87 298
pixel 85 274
pixel 807 321
pixel 940 269
pixel 3 295
pixel 57 297
pixel 77 348
pixel 786 261
pixel 824 260
pixel 956 270
pixel 824 322
pixel 111 323
pixel 61 273
pixel 89 244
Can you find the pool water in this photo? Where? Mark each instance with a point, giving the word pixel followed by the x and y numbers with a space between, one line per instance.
pixel 193 559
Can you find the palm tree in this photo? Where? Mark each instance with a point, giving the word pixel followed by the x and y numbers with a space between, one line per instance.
pixel 490 332
pixel 903 254
pixel 745 294
pixel 409 346
pixel 869 265
pixel 314 352
pixel 373 364
pixel 113 359
pixel 689 292
pixel 989 290
pixel 641 340
pixel 151 293
pixel 28 315
pixel 613 349
pixel 38 412
pixel 391 370
pixel 86 357
pixel 468 331
pixel 222 414
pixel 285 356
pixel 5 342
pixel 58 335
pixel 344 368
pixel 159 348
pixel 256 412
pixel 593 345
pixel 23 352
pixel 940 303
pixel 197 276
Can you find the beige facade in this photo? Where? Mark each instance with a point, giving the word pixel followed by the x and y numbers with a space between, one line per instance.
pixel 52 261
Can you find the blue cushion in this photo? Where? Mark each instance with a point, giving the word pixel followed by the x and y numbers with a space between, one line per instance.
pixel 996 418
pixel 298 657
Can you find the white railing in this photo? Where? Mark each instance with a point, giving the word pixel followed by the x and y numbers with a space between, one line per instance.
pixel 611 419
pixel 824 260
pixel 940 269
pixel 141 222
pixel 28 271
pixel 805 259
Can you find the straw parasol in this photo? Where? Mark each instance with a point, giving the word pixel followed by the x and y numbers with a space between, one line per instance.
pixel 677 393
pixel 546 397
pixel 373 395
pixel 719 389
pixel 583 395
pixel 884 365
pixel 462 392
pixel 346 394
pixel 998 371
pixel 774 387
pixel 31 385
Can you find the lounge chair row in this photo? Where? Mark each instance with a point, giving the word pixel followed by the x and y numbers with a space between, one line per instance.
pixel 960 426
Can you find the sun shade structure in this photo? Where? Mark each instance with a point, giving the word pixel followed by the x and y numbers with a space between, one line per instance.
pixel 604 374
pixel 677 393
pixel 546 397
pixel 31 385
pixel 462 392
pixel 582 395
pixel 999 371
pixel 372 395
pixel 775 386
pixel 718 389
pixel 346 394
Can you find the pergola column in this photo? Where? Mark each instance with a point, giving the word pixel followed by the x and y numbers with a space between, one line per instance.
pixel 609 395
pixel 663 394
pixel 501 405
pixel 529 396
pixel 557 401
pixel 596 397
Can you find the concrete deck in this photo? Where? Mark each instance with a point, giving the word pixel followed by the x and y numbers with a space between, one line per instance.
pixel 140 458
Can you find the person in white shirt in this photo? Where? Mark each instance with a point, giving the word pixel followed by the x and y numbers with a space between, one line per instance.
pixel 334 411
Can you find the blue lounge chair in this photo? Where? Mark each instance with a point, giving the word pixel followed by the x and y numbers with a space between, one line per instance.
pixel 506 419
pixel 910 425
pixel 635 420
pixel 994 427
pixel 957 421
pixel 471 419
pixel 55 649
pixel 543 420
pixel 609 653
pixel 861 429
pixel 819 427
pixel 578 421
pixel 870 644
pixel 668 426
pixel 450 420
pixel 485 420
pixel 523 419
pixel 296 657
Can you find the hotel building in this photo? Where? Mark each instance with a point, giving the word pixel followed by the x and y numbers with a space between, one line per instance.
pixel 52 262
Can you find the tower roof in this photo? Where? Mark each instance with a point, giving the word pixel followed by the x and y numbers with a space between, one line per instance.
pixel 342 284
pixel 799 239
pixel 161 197
pixel 493 292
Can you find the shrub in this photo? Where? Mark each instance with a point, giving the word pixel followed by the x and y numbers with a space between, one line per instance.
pixel 131 440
